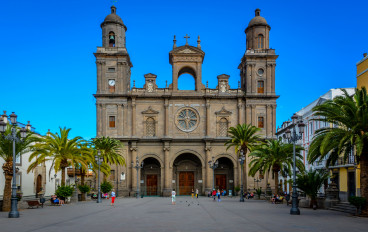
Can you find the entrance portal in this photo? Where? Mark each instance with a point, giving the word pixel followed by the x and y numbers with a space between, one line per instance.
pixel 187 174
pixel 151 185
pixel 151 177
pixel 221 181
pixel 224 174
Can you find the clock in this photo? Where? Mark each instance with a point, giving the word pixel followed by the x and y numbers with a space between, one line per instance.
pixel 111 82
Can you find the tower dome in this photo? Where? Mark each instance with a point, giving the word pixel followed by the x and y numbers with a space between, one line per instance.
pixel 258 20
pixel 113 18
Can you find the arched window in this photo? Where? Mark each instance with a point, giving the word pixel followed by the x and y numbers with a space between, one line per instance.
pixel 111 39
pixel 260 41
pixel 260 87
pixel 260 122
pixel 223 127
pixel 150 127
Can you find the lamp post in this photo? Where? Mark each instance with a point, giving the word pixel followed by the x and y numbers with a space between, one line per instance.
pixel 13 137
pixel 256 180
pixel 213 164
pixel 293 137
pixel 99 160
pixel 137 167
pixel 241 161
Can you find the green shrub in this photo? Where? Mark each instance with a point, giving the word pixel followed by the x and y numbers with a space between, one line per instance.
pixel 106 187
pixel 84 188
pixel 64 191
pixel 259 192
pixel 237 188
pixel 357 201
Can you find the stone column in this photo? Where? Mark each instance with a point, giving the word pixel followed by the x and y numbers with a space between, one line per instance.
pixel 208 120
pixel 168 170
pixel 104 120
pixel 175 78
pixel 273 78
pixel 99 76
pixel 166 106
pixel 120 88
pixel 254 79
pixel 209 175
pixel 98 119
pixel 103 78
pixel 273 126
pixel 133 117
pixel 240 111
pixel 236 175
pixel 268 79
pixel 268 120
pixel 254 119
pixel 120 120
pixel 134 149
pixel 129 172
pixel 125 119
pixel 248 112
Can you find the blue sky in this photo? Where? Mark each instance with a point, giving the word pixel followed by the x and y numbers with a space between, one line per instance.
pixel 48 72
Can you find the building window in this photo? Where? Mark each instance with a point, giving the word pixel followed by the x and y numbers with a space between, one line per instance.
pixel 150 127
pixel 260 87
pixel 122 176
pixel 111 69
pixel 260 41
pixel 187 119
pixel 111 39
pixel 260 122
pixel 112 121
pixel 223 127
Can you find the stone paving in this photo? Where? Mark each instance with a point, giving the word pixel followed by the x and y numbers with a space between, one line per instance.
pixel 157 214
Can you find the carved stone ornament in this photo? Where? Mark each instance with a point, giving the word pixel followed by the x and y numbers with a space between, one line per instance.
pixel 223 112
pixel 223 86
pixel 150 111
pixel 150 87
pixel 187 119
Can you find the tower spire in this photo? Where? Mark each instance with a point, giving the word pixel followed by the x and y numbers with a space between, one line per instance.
pixel 199 43
pixel 186 37
pixel 174 46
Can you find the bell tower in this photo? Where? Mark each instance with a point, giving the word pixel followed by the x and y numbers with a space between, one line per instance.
pixel 112 59
pixel 257 74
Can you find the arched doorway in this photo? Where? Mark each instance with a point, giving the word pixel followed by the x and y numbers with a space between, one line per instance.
pixel 151 176
pixel 224 175
pixel 187 173
pixel 38 184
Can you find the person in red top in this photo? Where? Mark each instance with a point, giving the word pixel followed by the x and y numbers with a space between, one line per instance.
pixel 214 193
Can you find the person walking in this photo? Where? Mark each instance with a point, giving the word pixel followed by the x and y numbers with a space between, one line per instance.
pixel 197 193
pixel 214 194
pixel 173 196
pixel 192 193
pixel 112 198
pixel 218 195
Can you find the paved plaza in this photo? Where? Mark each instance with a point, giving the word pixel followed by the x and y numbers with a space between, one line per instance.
pixel 157 214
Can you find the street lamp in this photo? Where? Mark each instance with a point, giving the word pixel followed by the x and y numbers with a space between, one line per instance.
pixel 256 180
pixel 137 167
pixel 213 165
pixel 99 161
pixel 241 161
pixel 293 137
pixel 13 137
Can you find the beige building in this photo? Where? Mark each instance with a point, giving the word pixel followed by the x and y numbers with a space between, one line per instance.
pixel 177 132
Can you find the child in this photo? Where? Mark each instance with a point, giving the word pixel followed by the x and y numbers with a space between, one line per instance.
pixel 173 194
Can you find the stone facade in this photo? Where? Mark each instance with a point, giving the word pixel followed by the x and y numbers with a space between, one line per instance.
pixel 177 132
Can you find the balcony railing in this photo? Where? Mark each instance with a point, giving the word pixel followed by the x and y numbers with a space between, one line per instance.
pixel 70 172
pixel 351 161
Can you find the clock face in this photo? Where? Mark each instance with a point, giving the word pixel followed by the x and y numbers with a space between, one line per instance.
pixel 111 82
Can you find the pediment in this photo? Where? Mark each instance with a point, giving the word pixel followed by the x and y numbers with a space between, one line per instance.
pixel 150 111
pixel 223 111
pixel 187 49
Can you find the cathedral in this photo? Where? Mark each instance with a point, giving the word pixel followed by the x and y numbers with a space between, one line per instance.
pixel 174 135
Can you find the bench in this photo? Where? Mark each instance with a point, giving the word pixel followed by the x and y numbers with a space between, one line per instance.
pixel 33 203
pixel 53 203
pixel 279 201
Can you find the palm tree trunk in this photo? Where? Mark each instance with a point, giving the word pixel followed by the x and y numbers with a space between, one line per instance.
pixel 63 176
pixel 276 175
pixel 7 193
pixel 83 198
pixel 364 178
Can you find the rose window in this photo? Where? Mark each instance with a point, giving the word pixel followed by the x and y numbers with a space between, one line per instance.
pixel 187 120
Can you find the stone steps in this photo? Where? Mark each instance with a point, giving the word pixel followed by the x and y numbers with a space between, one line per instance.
pixel 345 207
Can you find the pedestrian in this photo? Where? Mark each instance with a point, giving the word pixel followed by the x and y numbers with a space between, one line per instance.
pixel 112 198
pixel 192 193
pixel 173 196
pixel 197 193
pixel 218 195
pixel 214 194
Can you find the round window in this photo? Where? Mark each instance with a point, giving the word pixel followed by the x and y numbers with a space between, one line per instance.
pixel 187 119
pixel 260 72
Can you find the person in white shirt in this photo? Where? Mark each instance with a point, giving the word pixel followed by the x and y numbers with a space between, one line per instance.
pixel 173 196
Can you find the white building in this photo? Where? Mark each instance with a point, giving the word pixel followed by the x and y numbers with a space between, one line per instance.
pixel 306 114
pixel 41 180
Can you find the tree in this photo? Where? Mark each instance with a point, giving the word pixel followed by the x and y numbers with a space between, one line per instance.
pixel 60 150
pixel 276 156
pixel 6 153
pixel 310 182
pixel 350 115
pixel 243 138
pixel 110 150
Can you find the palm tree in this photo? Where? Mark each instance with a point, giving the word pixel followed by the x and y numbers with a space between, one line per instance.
pixel 62 151
pixel 276 156
pixel 6 153
pixel 350 114
pixel 110 150
pixel 310 182
pixel 243 138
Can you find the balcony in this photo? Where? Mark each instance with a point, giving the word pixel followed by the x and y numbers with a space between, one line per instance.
pixel 341 163
pixel 70 172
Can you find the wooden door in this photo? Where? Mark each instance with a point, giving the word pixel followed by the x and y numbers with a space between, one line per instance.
pixel 151 187
pixel 39 184
pixel 186 183
pixel 221 181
